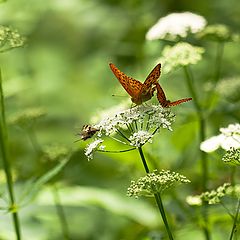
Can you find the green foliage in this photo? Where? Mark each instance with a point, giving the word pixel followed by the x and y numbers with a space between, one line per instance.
pixel 57 79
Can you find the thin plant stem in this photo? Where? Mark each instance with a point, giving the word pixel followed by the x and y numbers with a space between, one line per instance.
pixel 123 135
pixel 234 227
pixel 218 63
pixel 60 212
pixel 6 164
pixel 202 136
pixel 157 197
pixel 117 151
pixel 33 138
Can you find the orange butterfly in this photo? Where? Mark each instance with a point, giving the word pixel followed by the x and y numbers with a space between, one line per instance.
pixel 139 92
pixel 166 103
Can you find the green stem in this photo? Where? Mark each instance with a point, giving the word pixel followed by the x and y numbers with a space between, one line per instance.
pixel 234 227
pixel 33 139
pixel 143 159
pixel 219 55
pixel 6 163
pixel 60 212
pixel 117 151
pixel 202 136
pixel 157 197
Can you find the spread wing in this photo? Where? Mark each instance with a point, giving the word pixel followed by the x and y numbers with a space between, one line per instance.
pixel 179 102
pixel 152 77
pixel 131 85
pixel 161 95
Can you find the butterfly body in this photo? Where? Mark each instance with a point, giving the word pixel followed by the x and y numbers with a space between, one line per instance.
pixel 139 92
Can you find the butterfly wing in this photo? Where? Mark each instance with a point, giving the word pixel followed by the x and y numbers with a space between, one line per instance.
pixel 152 77
pixel 161 95
pixel 170 104
pixel 131 85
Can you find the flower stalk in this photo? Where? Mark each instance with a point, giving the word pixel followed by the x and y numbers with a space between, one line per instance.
pixel 219 55
pixel 234 227
pixel 202 136
pixel 6 164
pixel 157 197
pixel 60 212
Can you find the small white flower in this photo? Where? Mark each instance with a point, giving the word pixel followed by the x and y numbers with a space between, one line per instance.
pixel 194 200
pixel 229 138
pixel 140 138
pixel 92 147
pixel 176 25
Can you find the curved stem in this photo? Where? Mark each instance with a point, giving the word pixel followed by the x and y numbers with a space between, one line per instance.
pixel 6 163
pixel 118 151
pixel 60 212
pixel 157 197
pixel 234 227
pixel 202 136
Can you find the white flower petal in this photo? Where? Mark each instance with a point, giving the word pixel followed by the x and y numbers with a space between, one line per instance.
pixel 211 144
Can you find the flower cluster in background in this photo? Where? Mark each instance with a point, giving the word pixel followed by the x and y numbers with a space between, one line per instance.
pixel 166 27
pixel 155 182
pixel 212 197
pixel 229 88
pixel 10 39
pixel 232 156
pixel 229 138
pixel 180 55
pixel 218 32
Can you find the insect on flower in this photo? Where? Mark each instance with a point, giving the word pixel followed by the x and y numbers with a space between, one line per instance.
pixel 167 103
pixel 139 92
pixel 87 132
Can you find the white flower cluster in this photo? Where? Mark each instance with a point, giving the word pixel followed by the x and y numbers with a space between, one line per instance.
pixel 92 147
pixel 136 126
pixel 155 115
pixel 229 138
pixel 176 25
pixel 140 138
pixel 212 197
pixel 155 182
pixel 10 38
pixel 181 54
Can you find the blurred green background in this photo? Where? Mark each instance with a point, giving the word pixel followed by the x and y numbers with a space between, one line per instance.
pixel 63 70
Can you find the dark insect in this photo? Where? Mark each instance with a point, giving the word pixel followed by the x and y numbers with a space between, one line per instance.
pixel 87 132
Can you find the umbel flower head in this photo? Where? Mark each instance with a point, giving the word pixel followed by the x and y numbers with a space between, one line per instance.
pixel 212 197
pixel 229 138
pixel 180 55
pixel 132 127
pixel 175 26
pixel 10 39
pixel 155 182
pixel 218 32
pixel 229 89
pixel 232 156
pixel 27 117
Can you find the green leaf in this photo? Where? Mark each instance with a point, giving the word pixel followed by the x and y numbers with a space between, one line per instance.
pixel 33 187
